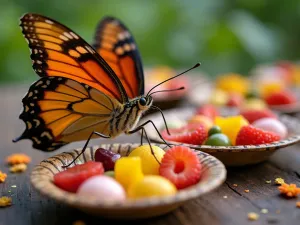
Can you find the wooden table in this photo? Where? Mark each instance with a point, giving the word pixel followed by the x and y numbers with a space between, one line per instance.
pixel 227 205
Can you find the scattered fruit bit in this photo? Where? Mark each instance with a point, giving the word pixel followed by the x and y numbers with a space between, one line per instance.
pixel 218 140
pixel 264 211
pixel 234 100
pixel 272 125
pixel 225 196
pixel 79 222
pixel 267 88
pixel 150 165
pixel 233 83
pixel 2 176
pixel 181 166
pixel 298 204
pixel 253 216
pixel 13 186
pixel 71 178
pixel 150 186
pixel 289 190
pixel 102 188
pixel 201 119
pixel 108 158
pixel 231 125
pixel 208 110
pixel 110 173
pixel 268 181
pixel 18 158
pixel 128 170
pixel 279 180
pixel 255 114
pixel 254 103
pixel 250 135
pixel 247 191
pixel 281 98
pixel 214 130
pixel 235 185
pixel 189 134
pixel 5 201
pixel 218 97
pixel 18 168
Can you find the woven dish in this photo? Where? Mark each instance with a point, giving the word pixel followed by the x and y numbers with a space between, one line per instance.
pixel 229 155
pixel 213 175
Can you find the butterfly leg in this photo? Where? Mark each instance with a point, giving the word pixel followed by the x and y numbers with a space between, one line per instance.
pixel 85 146
pixel 142 136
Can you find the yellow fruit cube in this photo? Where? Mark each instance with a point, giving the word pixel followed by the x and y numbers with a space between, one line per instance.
pixel 128 170
pixel 231 125
pixel 268 88
pixel 150 166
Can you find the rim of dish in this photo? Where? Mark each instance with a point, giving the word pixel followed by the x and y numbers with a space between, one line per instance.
pixel 41 179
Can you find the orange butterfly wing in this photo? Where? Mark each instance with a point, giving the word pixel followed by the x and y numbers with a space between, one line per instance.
pixel 58 51
pixel 114 42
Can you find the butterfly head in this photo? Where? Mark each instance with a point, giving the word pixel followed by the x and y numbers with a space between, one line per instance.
pixel 145 102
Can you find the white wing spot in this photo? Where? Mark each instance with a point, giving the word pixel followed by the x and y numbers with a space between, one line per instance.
pixel 31 104
pixel 36 140
pixel 133 47
pixel 68 35
pixel 45 133
pixel 74 35
pixel 30 94
pixel 49 21
pixel 26 108
pixel 121 36
pixel 127 35
pixel 44 86
pixel 63 37
pixel 90 49
pixel 127 47
pixel 29 125
pixel 37 122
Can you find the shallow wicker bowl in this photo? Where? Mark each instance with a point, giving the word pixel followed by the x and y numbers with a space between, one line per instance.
pixel 229 155
pixel 214 174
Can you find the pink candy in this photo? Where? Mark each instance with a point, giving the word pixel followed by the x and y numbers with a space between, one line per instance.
pixel 273 125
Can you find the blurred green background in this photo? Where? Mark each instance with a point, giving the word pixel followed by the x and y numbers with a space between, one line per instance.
pixel 225 36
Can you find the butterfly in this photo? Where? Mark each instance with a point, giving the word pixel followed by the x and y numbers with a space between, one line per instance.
pixel 85 91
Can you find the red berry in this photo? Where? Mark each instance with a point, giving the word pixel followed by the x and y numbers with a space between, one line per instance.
pixel 208 110
pixel 234 100
pixel 194 133
pixel 71 178
pixel 255 114
pixel 281 98
pixel 249 135
pixel 181 166
pixel 108 158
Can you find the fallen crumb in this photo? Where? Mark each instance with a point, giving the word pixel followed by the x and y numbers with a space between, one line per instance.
pixel 289 190
pixel 18 168
pixel 298 204
pixel 268 181
pixel 279 180
pixel 18 158
pixel 2 176
pixel 13 186
pixel 79 222
pixel 5 201
pixel 247 191
pixel 277 211
pixel 264 211
pixel 225 196
pixel 253 216
pixel 235 185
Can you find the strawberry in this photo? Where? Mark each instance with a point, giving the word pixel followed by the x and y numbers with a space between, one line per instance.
pixel 71 178
pixel 281 98
pixel 249 135
pixel 181 166
pixel 194 133
pixel 208 110
pixel 255 114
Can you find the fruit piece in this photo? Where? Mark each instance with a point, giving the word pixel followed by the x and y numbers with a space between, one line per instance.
pixel 190 134
pixel 233 83
pixel 250 135
pixel 108 158
pixel 235 100
pixel 110 173
pixel 71 178
pixel 181 166
pixel 218 97
pixel 281 98
pixel 149 164
pixel 214 130
pixel 204 120
pixel 208 110
pixel 255 114
pixel 270 87
pixel 231 125
pixel 218 140
pixel 273 125
pixel 128 170
pixel 102 188
pixel 150 186
pixel 254 103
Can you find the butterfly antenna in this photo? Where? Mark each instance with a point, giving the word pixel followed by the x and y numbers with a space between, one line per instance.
pixel 169 90
pixel 198 64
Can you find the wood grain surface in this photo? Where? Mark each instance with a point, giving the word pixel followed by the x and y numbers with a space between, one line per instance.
pixel 228 205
